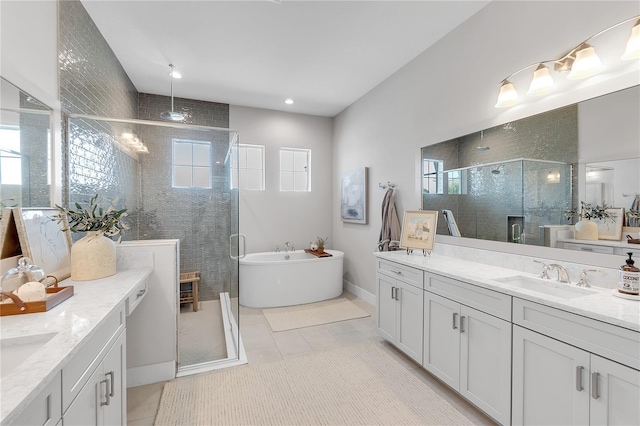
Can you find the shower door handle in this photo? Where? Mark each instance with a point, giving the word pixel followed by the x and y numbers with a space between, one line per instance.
pixel 244 246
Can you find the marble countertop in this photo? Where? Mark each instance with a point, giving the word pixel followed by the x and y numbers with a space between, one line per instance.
pixel 73 321
pixel 602 305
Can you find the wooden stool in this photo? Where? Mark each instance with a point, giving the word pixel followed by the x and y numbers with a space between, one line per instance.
pixel 189 295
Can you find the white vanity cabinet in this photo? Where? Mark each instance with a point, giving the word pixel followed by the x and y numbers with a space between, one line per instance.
pixel 571 383
pixel 399 307
pixel 102 399
pixel 466 348
pixel 94 382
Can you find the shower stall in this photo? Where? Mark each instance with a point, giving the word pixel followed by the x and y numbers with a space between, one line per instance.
pixel 504 201
pixel 176 182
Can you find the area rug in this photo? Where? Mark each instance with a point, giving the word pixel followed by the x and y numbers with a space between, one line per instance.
pixel 300 316
pixel 356 385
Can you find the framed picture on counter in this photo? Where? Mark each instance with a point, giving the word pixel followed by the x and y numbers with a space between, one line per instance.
pixel 46 242
pixel 419 229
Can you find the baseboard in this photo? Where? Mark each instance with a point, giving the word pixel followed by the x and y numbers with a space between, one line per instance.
pixel 360 292
pixel 153 373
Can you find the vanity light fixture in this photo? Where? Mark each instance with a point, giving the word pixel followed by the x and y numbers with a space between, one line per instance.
pixel 581 62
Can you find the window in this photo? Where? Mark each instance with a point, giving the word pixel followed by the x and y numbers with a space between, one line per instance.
pixel 454 182
pixel 247 167
pixel 432 176
pixel 191 164
pixel 295 165
pixel 10 158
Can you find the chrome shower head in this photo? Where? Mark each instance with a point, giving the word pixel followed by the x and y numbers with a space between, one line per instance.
pixel 172 115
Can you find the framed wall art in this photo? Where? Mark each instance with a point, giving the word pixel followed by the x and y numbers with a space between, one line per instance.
pixel 353 196
pixel 44 240
pixel 609 229
pixel 419 229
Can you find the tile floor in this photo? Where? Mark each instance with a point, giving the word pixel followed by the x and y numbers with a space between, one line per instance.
pixel 263 346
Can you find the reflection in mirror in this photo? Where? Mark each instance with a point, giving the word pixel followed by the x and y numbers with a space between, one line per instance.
pixel 513 182
pixel 615 183
pixel 25 149
pixel 504 183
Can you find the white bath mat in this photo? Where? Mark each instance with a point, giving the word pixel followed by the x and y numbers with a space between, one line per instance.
pixel 300 316
pixel 357 385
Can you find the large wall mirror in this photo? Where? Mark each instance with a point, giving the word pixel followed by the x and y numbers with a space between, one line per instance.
pixel 25 149
pixel 513 182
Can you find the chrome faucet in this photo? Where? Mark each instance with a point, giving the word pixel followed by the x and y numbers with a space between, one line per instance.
pixel 287 247
pixel 545 270
pixel 563 275
pixel 277 248
pixel 583 277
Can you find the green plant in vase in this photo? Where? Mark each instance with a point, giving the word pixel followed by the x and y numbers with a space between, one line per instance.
pixel 320 242
pixel 94 255
pixel 585 228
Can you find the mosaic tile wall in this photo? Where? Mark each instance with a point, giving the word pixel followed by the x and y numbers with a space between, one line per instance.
pixel 34 140
pixel 93 82
pixel 494 202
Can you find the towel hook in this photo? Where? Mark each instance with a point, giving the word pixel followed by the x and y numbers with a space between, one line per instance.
pixel 388 185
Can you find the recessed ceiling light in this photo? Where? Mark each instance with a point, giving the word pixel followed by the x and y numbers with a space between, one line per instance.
pixel 289 101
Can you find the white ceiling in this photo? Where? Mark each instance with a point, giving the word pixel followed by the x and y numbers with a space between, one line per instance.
pixel 323 54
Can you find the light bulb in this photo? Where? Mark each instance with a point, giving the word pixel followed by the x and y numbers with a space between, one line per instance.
pixel 508 95
pixel 542 83
pixel 633 45
pixel 587 63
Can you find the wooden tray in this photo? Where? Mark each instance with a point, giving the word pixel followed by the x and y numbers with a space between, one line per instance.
pixel 55 296
pixel 316 254
pixel 633 241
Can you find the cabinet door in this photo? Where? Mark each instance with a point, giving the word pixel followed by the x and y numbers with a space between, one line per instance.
pixel 442 338
pixel 409 328
pixel 85 408
pixel 615 393
pixel 550 381
pixel 386 307
pixel 114 369
pixel 485 362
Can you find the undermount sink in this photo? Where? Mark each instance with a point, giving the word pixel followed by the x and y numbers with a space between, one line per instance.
pixel 17 349
pixel 551 288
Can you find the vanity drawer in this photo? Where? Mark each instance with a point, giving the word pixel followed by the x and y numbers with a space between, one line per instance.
pixel 136 297
pixel 591 248
pixel 81 366
pixel 46 408
pixel 406 274
pixel 482 299
pixel 616 343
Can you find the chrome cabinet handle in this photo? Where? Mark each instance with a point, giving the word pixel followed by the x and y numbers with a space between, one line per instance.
pixel 140 293
pixel 111 383
pixel 586 249
pixel 396 272
pixel 397 293
pixel 393 293
pixel 462 324
pixel 594 385
pixel 455 327
pixel 579 386
pixel 106 392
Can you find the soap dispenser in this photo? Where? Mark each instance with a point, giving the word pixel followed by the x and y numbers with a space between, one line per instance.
pixel 629 278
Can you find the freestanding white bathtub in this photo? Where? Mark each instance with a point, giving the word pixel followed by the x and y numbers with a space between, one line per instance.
pixel 270 279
